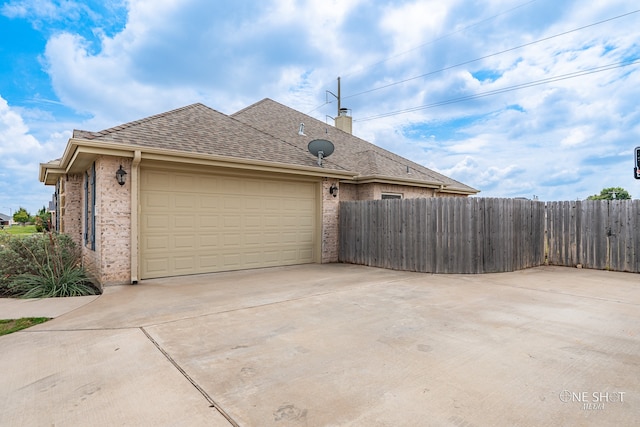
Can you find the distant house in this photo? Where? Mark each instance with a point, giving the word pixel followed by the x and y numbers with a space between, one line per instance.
pixel 212 192
pixel 5 220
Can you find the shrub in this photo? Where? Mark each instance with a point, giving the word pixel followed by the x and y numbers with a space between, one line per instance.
pixel 40 266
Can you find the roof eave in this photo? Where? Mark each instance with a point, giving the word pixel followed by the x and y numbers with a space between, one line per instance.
pixel 439 186
pixel 456 190
pixel 381 179
pixel 79 154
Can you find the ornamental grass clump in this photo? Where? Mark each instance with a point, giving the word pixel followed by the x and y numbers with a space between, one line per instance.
pixel 42 266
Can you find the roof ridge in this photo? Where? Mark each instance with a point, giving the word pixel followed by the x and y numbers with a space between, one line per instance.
pixel 248 107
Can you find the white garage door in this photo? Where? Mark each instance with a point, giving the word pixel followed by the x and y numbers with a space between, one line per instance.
pixel 201 223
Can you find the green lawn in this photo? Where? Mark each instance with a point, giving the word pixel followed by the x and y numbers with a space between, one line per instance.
pixel 19 229
pixel 14 325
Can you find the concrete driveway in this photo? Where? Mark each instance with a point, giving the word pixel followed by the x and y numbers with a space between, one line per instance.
pixel 335 345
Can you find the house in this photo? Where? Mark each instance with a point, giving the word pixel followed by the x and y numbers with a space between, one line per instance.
pixel 195 191
pixel 5 220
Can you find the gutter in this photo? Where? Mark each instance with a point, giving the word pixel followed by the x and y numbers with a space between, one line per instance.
pixel 79 148
pixel 135 191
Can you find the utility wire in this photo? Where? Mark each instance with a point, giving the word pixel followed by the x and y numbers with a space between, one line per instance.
pixel 490 55
pixel 426 44
pixel 506 89
pixel 438 39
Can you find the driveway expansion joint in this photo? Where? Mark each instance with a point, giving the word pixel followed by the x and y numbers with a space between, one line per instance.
pixel 212 403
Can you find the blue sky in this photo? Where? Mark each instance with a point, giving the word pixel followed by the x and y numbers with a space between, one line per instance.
pixel 515 98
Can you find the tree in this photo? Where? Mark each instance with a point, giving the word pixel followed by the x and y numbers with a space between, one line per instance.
pixel 43 220
pixel 21 216
pixel 611 193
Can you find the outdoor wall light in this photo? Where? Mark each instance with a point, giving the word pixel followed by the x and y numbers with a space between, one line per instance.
pixel 120 174
pixel 333 190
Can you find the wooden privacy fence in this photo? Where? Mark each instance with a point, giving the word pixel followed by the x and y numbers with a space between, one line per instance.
pixel 600 234
pixel 480 235
pixel 443 234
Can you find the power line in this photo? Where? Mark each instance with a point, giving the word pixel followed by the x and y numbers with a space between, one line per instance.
pixel 327 102
pixel 506 89
pixel 490 55
pixel 438 39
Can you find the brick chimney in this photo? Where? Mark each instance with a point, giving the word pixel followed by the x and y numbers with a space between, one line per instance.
pixel 344 121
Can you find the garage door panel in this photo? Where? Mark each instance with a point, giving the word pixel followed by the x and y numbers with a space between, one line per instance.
pixel 159 222
pixel 198 223
pixel 253 239
pixel 272 205
pixel 209 201
pixel 253 259
pixel 231 239
pixel 158 267
pixel 184 264
pixel 185 182
pixel 185 201
pixel 254 204
pixel 306 238
pixel 271 238
pixel 232 222
pixel 183 222
pixel 290 255
pixel 156 180
pixel 272 257
pixel 271 221
pixel 185 242
pixel 208 241
pixel 291 237
pixel 252 222
pixel 209 262
pixel 208 222
pixel 156 200
pixel 157 243
pixel 232 203
pixel 305 254
pixel 232 260
pixel 232 185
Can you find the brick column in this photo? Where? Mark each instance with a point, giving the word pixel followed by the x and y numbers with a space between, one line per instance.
pixel 113 221
pixel 330 223
pixel 71 207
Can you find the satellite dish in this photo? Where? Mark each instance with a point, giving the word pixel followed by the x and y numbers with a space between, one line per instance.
pixel 321 148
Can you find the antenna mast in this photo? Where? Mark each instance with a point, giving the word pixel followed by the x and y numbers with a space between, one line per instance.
pixel 338 97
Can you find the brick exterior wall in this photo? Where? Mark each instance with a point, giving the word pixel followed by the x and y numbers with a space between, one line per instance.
pixel 373 191
pixel 110 262
pixel 330 211
pixel 71 199
pixel 113 222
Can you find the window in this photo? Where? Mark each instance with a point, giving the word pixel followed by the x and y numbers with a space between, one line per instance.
pixel 391 196
pixel 90 208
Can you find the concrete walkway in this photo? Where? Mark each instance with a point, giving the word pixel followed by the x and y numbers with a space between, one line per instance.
pixel 14 308
pixel 333 345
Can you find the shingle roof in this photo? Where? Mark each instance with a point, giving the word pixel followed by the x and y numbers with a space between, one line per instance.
pixel 351 152
pixel 199 129
pixel 266 131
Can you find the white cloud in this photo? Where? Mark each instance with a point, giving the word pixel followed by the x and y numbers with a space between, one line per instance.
pixel 561 139
pixel 20 154
pixel 414 23
pixel 576 136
